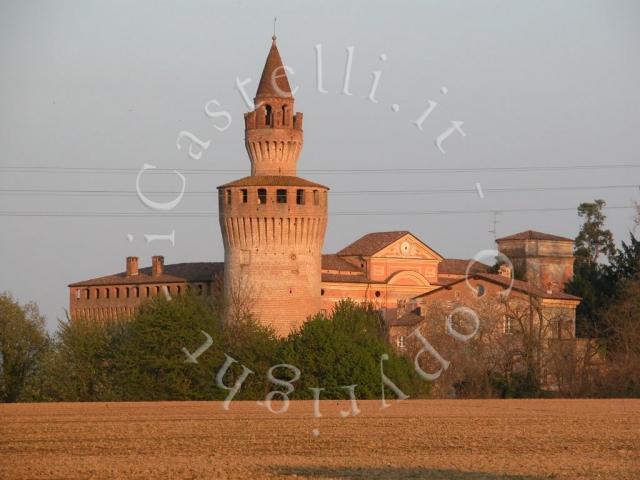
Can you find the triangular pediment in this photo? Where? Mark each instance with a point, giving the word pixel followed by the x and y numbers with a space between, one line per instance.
pixel 408 246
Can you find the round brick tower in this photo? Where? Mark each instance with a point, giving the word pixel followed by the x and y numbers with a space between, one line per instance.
pixel 273 223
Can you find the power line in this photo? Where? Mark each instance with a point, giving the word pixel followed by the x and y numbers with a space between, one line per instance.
pixel 362 213
pixel 113 170
pixel 125 193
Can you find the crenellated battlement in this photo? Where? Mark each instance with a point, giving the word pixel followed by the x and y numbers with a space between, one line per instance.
pixel 273 114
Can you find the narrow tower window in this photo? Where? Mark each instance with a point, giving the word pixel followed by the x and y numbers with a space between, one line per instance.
pixel 262 195
pixel 284 115
pixel 245 195
pixel 281 195
pixel 267 115
pixel 316 197
pixel 228 195
pixel 300 196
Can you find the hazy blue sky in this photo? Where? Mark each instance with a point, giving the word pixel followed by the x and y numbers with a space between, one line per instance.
pixel 108 85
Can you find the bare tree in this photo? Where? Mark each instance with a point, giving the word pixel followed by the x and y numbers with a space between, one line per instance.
pixel 241 299
pixel 514 352
pixel 621 374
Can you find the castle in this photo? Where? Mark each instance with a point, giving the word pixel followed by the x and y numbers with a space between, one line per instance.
pixel 273 225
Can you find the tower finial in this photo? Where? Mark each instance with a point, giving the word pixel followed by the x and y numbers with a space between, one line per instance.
pixel 275 19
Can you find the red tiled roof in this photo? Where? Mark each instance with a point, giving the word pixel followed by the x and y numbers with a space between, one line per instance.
pixel 443 282
pixel 459 266
pixel 372 243
pixel 345 278
pixel 272 181
pixel 178 272
pixel 518 285
pixel 526 287
pixel 533 235
pixel 407 320
pixel 274 72
pixel 334 262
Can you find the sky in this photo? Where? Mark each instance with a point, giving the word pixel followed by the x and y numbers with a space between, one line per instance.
pixel 90 91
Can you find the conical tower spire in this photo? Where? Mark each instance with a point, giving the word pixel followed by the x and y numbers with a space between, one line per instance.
pixel 274 82
pixel 273 132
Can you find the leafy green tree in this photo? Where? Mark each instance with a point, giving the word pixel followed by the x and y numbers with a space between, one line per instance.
pixel 592 280
pixel 625 262
pixel 150 363
pixel 593 240
pixel 23 342
pixel 596 283
pixel 78 369
pixel 254 346
pixel 345 349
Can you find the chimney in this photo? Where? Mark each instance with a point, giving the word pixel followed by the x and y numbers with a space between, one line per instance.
pixel 157 265
pixel 132 266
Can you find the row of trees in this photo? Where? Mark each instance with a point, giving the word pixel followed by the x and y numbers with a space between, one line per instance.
pixel 143 359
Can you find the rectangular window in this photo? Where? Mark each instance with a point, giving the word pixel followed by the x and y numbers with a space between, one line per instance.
pixel 228 195
pixel 78 293
pixel 400 342
pixel 316 197
pixel 245 195
pixel 262 195
pixel 281 195
pixel 300 196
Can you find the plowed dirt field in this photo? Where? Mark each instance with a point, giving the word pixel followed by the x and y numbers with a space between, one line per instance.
pixel 432 439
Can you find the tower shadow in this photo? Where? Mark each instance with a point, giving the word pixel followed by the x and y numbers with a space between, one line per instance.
pixel 395 473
